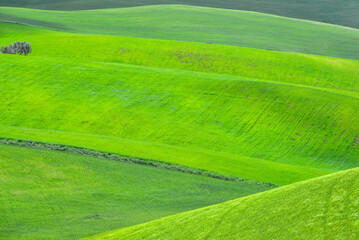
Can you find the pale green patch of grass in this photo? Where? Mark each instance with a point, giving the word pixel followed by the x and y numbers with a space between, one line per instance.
pixel 321 208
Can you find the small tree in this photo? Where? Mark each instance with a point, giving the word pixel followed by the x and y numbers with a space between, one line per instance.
pixel 17 48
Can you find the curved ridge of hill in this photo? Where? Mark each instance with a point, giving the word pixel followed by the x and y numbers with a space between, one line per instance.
pixel 325 73
pixel 330 11
pixel 199 24
pixel 320 208
pixel 47 194
pixel 287 126
pixel 280 118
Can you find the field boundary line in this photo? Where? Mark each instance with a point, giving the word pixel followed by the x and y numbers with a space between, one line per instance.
pixel 128 159
pixel 35 26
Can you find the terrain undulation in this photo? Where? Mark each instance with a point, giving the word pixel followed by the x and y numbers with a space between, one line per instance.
pixel 136 120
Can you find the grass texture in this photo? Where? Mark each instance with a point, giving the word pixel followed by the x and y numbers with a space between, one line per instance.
pixel 217 162
pixel 321 208
pixel 271 128
pixel 198 24
pixel 228 114
pixel 292 68
pixel 271 116
pixel 52 195
pixel 330 11
pixel 115 157
pixel 262 115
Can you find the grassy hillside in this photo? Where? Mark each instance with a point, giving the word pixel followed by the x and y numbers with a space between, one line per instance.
pixel 302 69
pixel 53 195
pixel 330 11
pixel 232 92
pixel 220 162
pixel 322 208
pixel 235 115
pixel 197 24
pixel 302 126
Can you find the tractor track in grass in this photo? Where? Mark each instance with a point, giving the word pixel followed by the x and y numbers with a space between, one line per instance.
pixel 128 159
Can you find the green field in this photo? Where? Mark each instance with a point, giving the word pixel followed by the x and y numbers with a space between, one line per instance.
pixel 124 116
pixel 197 24
pixel 223 123
pixel 330 11
pixel 52 195
pixel 293 68
pixel 321 208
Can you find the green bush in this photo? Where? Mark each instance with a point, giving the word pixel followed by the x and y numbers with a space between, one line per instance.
pixel 17 48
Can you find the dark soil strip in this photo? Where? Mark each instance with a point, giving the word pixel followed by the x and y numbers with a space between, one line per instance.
pixel 116 157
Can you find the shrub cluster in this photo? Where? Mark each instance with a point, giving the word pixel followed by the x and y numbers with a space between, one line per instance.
pixel 17 48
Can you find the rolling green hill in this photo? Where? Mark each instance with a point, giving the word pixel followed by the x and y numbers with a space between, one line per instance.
pixel 229 124
pixel 102 124
pixel 330 11
pixel 321 208
pixel 197 24
pixel 292 68
pixel 53 195
pixel 294 119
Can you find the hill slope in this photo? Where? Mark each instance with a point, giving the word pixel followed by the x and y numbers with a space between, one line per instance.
pixel 54 195
pixel 321 208
pixel 224 114
pixel 330 11
pixel 301 69
pixel 197 24
pixel 296 120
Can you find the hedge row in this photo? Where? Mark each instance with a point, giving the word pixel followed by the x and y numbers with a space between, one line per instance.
pixel 116 157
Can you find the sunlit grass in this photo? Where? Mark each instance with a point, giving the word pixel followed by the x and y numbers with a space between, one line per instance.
pixel 204 113
pixel 322 208
pixel 294 68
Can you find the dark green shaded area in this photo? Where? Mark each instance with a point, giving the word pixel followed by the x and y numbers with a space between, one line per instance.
pixel 331 11
pixel 197 24
pixel 47 194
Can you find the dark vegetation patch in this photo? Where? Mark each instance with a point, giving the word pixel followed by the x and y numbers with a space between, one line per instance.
pixel 330 11
pixel 17 48
pixel 116 157
pixel 356 141
pixel 5 18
